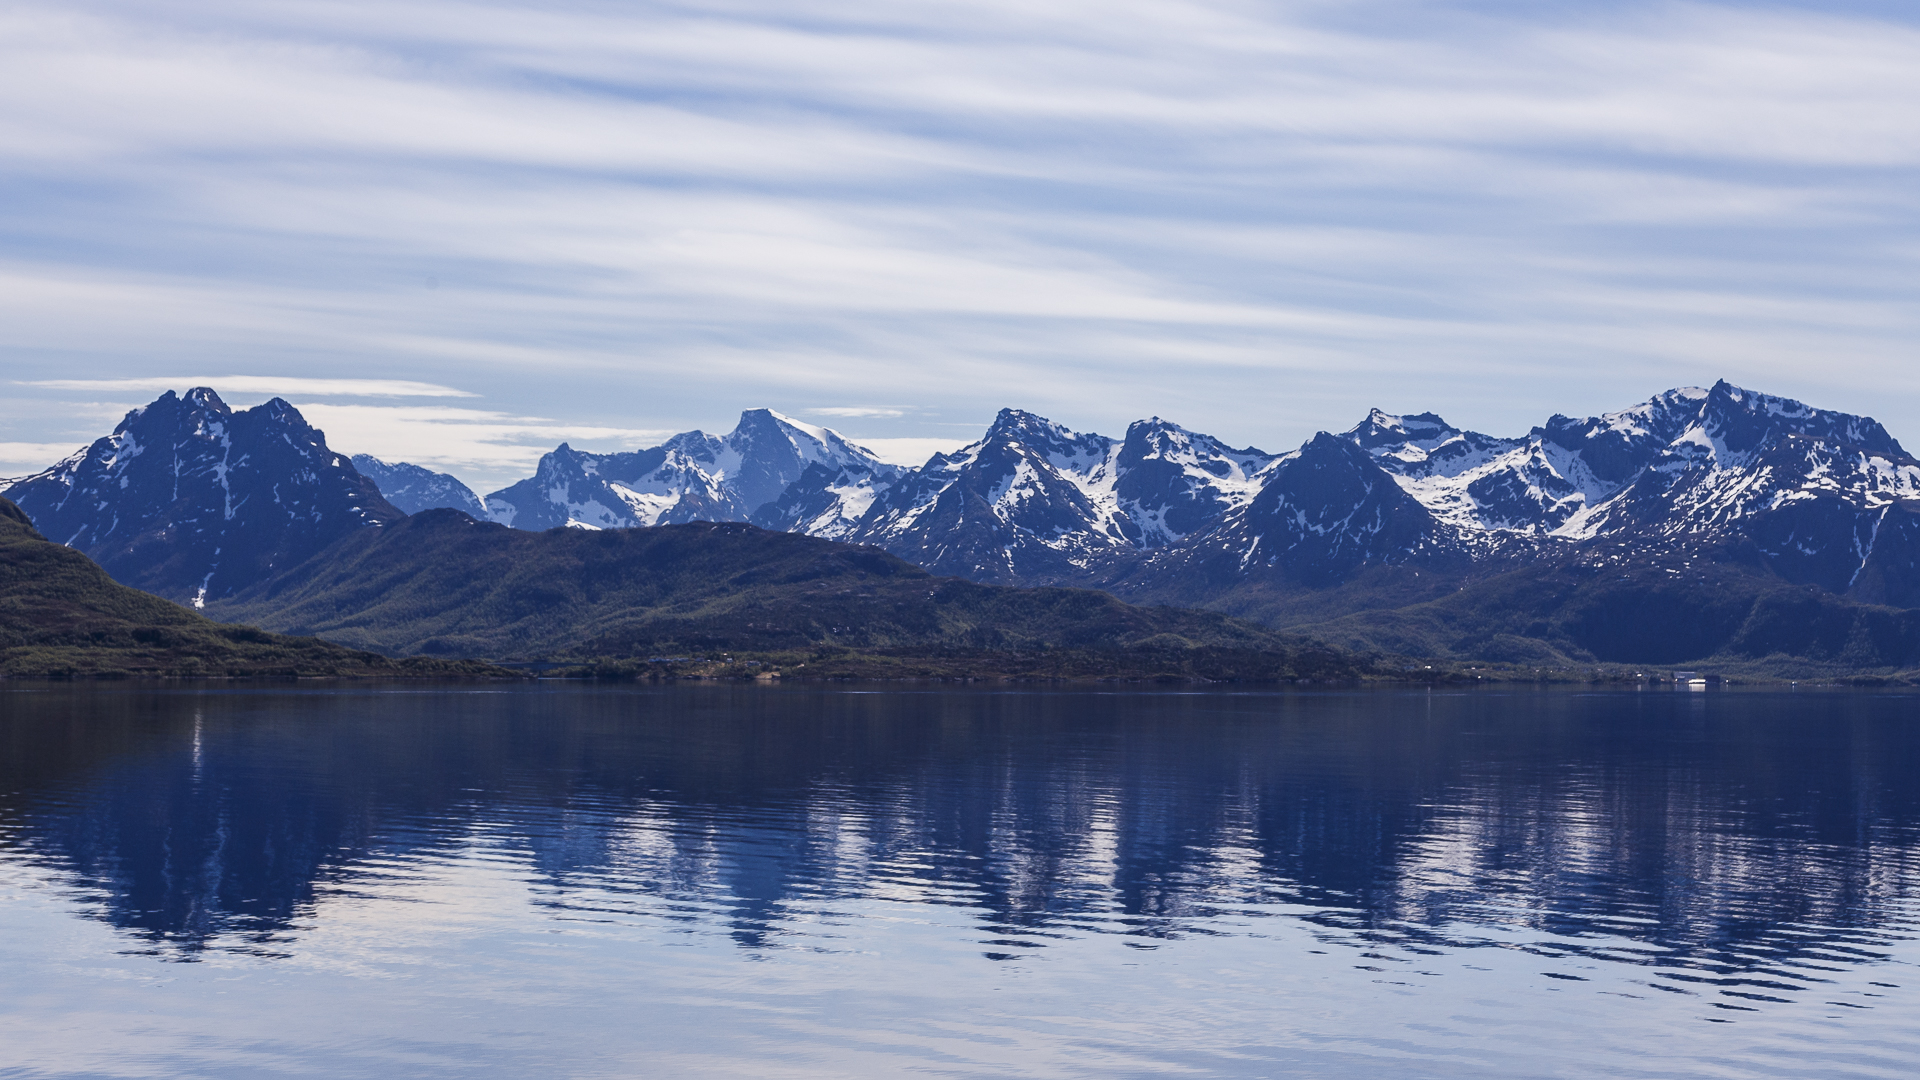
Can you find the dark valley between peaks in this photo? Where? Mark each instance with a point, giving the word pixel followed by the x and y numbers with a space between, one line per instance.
pixel 442 584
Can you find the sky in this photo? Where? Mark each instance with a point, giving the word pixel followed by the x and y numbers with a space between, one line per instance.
pixel 460 233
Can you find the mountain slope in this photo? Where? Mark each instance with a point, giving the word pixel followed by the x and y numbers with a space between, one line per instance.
pixel 827 501
pixel 191 500
pixel 60 614
pixel 411 488
pixel 441 583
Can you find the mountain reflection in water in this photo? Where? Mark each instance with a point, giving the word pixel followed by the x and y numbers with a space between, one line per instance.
pixel 1747 849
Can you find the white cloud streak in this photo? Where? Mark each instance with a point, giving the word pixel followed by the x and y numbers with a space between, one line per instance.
pixel 914 451
pixel 488 449
pixel 18 459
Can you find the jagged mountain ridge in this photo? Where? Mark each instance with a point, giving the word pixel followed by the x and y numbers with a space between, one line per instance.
pixel 691 477
pixel 1413 504
pixel 1322 512
pixel 413 488
pixel 1543 482
pixel 1032 501
pixel 1813 494
pixel 192 500
pixel 1688 459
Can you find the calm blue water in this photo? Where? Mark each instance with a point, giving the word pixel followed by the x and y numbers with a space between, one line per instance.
pixel 791 882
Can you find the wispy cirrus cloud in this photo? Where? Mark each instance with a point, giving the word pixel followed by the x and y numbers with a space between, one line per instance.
pixel 1255 219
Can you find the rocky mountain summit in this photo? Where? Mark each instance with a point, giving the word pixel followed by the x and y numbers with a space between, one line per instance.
pixel 192 500
pixel 412 488
pixel 691 477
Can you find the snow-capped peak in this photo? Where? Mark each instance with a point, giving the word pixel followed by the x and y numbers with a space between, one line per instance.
pixel 223 497
pixel 1422 430
pixel 692 476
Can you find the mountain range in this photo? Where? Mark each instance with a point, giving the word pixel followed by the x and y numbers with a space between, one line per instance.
pixel 1817 496
pixel 1375 523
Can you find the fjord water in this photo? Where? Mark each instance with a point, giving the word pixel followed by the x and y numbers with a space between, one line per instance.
pixel 743 881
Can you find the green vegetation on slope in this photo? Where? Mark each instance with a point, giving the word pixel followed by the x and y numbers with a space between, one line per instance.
pixel 61 615
pixel 443 584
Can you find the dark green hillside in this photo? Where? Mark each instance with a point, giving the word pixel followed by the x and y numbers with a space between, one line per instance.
pixel 1284 603
pixel 1669 612
pixel 62 615
pixel 443 584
